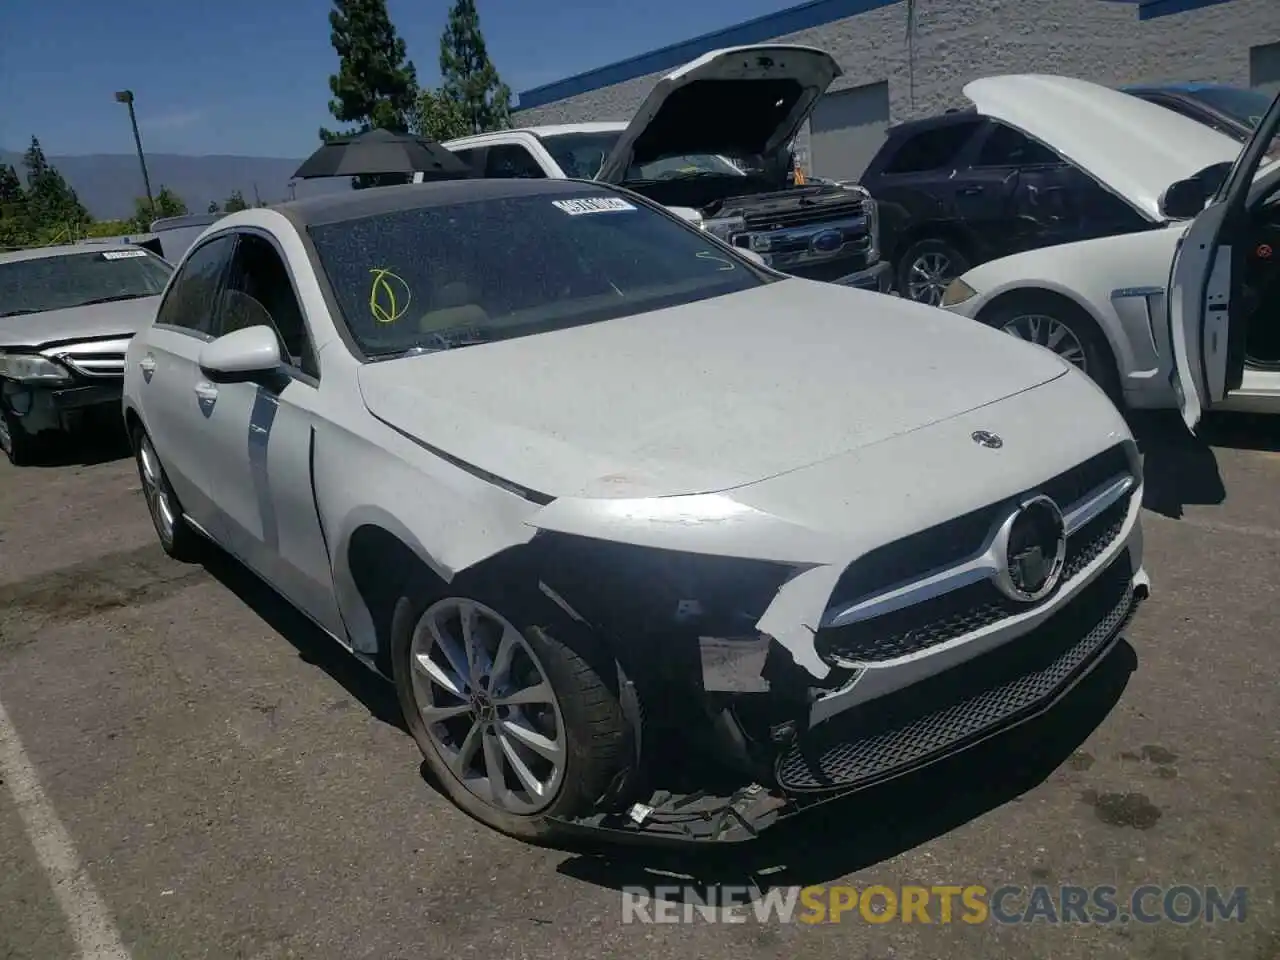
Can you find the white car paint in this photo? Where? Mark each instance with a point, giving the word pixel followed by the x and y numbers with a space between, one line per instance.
pixel 1121 282
pixel 1134 148
pixel 795 422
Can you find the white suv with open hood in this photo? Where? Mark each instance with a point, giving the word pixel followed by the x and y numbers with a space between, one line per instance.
pixel 1182 313
pixel 711 143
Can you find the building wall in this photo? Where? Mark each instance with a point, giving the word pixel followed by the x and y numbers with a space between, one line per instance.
pixel 955 42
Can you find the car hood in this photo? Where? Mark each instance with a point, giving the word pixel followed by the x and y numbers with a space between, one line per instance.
pixel 704 397
pixel 122 318
pixel 1136 149
pixel 739 101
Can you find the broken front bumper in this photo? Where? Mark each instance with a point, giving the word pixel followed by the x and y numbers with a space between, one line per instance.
pixel 901 732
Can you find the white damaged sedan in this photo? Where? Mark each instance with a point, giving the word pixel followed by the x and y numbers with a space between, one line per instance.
pixel 600 494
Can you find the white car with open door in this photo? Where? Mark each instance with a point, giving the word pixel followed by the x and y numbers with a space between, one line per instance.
pixel 711 142
pixel 1224 291
pixel 1103 303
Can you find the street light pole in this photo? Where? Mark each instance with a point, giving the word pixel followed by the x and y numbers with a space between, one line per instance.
pixel 126 97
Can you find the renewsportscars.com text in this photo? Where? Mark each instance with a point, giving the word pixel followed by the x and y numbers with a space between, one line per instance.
pixel 939 904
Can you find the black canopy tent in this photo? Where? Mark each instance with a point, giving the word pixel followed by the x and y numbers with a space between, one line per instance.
pixel 382 153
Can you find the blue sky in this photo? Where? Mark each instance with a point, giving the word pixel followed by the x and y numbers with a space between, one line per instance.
pixel 250 77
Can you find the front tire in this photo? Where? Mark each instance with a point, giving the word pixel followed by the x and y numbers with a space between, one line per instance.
pixel 517 713
pixel 177 538
pixel 926 268
pixel 19 447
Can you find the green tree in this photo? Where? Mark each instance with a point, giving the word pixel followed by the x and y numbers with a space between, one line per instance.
pixel 438 116
pixel 235 202
pixel 469 76
pixel 52 206
pixel 376 83
pixel 168 204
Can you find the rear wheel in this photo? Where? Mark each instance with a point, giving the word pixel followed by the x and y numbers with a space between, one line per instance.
pixel 516 713
pixel 1060 326
pixel 926 268
pixel 177 537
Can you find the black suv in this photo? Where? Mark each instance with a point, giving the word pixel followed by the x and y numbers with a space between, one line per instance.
pixel 957 190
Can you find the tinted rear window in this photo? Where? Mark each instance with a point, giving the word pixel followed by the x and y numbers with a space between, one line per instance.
pixel 457 274
pixel 78 279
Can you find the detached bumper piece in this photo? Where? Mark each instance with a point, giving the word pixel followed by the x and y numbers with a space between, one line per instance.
pixel 672 819
pixel 945 714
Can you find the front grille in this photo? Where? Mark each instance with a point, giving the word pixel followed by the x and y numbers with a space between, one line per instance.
pixel 916 556
pixel 98 365
pixel 803 216
pixel 963 611
pixel 945 713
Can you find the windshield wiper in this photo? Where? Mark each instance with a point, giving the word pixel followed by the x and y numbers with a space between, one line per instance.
pixel 437 342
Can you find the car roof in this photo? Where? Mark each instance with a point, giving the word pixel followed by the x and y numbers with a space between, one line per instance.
pixel 358 204
pixel 1178 87
pixel 62 250
pixel 937 120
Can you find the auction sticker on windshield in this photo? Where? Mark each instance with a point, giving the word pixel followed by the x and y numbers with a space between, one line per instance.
pixel 576 208
pixel 122 254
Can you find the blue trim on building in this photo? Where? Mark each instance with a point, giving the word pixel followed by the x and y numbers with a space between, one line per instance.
pixel 816 13
pixel 806 16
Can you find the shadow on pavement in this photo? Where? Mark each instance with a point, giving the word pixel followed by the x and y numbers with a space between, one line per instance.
pixel 99 443
pixel 1180 468
pixel 314 646
pixel 848 835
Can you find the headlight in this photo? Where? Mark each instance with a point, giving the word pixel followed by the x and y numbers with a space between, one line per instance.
pixel 873 229
pixel 725 228
pixel 957 292
pixel 32 368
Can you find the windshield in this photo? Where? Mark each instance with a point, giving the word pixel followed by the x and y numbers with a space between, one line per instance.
pixel 459 274
pixel 74 280
pixel 580 155
pixel 1246 106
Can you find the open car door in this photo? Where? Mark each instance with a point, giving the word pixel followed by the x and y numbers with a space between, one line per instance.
pixel 1206 321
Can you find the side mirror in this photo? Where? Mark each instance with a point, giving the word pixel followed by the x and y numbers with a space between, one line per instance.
pixel 752 256
pixel 1184 200
pixel 247 354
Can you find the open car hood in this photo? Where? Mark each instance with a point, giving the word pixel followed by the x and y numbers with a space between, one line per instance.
pixel 1134 148
pixel 738 101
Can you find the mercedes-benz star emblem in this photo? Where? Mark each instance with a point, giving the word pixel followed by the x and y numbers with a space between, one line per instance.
pixel 985 439
pixel 1031 550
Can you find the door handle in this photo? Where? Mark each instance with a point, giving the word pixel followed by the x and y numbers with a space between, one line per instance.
pixel 206 392
pixel 970 191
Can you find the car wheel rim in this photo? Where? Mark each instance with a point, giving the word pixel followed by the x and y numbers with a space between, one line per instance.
pixel 487 705
pixel 1050 333
pixel 153 489
pixel 928 278
pixel 6 438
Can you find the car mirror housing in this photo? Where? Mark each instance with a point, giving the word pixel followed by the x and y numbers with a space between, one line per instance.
pixel 1184 200
pixel 248 354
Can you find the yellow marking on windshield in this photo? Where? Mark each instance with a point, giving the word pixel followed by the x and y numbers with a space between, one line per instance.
pixel 384 303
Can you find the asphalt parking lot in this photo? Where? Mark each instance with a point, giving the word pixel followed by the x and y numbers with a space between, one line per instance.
pixel 190 771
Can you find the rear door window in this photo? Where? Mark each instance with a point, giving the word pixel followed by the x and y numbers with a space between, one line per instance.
pixel 935 148
pixel 1007 147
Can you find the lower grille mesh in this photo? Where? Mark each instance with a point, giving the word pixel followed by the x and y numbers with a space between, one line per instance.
pixel 940 715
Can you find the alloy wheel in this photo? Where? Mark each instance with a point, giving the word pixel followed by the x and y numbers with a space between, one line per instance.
pixel 1051 333
pixel 928 277
pixel 6 438
pixel 488 705
pixel 155 491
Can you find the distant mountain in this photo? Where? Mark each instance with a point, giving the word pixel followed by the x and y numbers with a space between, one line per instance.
pixel 108 183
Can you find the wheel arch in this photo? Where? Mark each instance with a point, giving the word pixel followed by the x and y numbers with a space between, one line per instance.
pixel 1119 351
pixel 949 231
